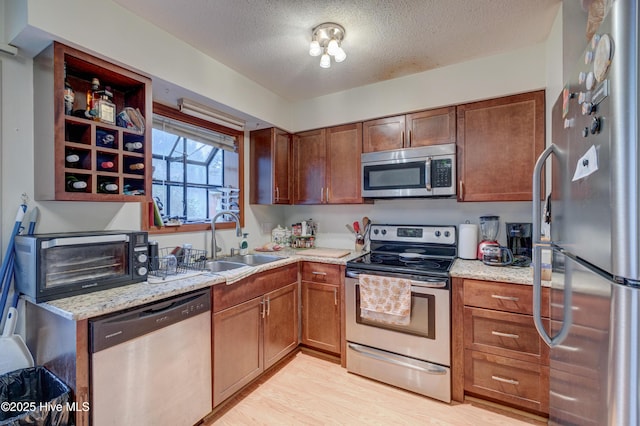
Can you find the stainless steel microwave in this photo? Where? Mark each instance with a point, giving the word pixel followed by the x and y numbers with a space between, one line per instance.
pixel 411 172
pixel 53 266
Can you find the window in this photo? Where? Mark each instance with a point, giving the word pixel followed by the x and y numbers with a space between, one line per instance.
pixel 197 169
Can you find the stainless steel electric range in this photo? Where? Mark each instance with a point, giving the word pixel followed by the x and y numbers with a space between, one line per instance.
pixel 417 356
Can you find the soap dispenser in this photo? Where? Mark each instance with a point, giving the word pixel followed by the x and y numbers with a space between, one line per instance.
pixel 244 245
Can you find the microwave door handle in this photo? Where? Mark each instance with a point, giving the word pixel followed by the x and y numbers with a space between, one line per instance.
pixel 70 241
pixel 427 174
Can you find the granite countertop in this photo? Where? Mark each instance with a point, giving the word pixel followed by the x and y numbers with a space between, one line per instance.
pixel 103 302
pixel 475 269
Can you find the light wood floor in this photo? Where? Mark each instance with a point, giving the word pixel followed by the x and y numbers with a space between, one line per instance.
pixel 311 391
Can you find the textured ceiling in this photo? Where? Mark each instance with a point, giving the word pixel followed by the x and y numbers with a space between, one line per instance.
pixel 268 40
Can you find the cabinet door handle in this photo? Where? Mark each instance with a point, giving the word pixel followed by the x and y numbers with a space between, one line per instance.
pixel 402 138
pixel 321 194
pixel 277 193
pixel 509 298
pixel 326 195
pixel 335 296
pixel 319 276
pixel 498 333
pixel 460 191
pixel 268 306
pixel 503 380
pixel 410 137
pixel 262 309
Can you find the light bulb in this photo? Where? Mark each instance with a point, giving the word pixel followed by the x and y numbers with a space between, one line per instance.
pixel 314 48
pixel 325 61
pixel 332 47
pixel 340 55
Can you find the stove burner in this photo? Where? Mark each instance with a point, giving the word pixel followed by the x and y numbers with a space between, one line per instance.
pixel 423 264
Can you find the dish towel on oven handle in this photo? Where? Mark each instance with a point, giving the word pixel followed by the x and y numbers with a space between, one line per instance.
pixel 385 299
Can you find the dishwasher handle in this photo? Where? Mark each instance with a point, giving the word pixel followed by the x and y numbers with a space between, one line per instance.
pixel 121 327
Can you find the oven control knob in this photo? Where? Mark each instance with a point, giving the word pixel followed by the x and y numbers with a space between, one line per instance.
pixel 142 257
pixel 384 232
pixel 437 233
pixel 375 231
pixel 447 233
pixel 141 271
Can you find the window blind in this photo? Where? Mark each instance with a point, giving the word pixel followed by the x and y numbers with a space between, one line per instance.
pixel 199 134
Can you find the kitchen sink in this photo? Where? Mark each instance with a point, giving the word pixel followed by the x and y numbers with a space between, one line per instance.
pixel 253 259
pixel 223 265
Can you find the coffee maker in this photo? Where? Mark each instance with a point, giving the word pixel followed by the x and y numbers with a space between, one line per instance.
pixel 520 243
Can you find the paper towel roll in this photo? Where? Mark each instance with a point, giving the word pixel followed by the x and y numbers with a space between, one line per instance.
pixel 468 241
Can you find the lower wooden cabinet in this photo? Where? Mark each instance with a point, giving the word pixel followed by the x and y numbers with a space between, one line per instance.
pixel 321 290
pixel 497 352
pixel 255 324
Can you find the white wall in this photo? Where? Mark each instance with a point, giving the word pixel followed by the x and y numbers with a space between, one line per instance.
pixel 33 23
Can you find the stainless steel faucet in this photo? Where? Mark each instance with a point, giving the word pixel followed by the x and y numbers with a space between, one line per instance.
pixel 236 219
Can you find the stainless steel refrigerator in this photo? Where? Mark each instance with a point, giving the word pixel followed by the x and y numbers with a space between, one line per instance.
pixel 594 331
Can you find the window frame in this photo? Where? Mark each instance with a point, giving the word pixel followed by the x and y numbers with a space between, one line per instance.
pixel 169 112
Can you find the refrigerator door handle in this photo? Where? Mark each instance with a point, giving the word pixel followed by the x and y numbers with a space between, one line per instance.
pixel 538 245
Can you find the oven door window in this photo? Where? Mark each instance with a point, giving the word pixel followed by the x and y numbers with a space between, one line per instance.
pixel 423 314
pixel 395 176
pixel 73 264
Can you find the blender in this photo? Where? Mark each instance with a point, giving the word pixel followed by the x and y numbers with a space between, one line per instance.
pixel 489 228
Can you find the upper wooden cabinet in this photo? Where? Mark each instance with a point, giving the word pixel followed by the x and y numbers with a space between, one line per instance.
pixel 431 127
pixel 326 165
pixel 498 143
pixel 271 169
pixel 112 163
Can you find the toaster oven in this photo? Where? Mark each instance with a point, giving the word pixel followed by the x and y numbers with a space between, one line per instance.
pixel 53 266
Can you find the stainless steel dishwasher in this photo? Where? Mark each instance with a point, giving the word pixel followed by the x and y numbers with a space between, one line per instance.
pixel 152 365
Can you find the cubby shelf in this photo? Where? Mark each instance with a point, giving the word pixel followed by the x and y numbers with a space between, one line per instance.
pixel 58 135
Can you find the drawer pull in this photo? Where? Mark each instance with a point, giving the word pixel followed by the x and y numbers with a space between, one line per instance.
pixel 509 298
pixel 561 396
pixel 511 336
pixel 503 380
pixel 324 274
pixel 568 348
pixel 335 296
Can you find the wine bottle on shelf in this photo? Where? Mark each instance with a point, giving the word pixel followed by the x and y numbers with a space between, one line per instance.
pixel 136 166
pixel 75 184
pixel 108 187
pixel 69 94
pixel 72 160
pixel 78 160
pixel 105 164
pixel 105 139
pixel 132 146
pixel 91 98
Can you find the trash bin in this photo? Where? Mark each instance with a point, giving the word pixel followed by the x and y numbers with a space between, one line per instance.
pixel 34 396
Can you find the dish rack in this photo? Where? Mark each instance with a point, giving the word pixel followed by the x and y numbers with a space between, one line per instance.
pixel 177 260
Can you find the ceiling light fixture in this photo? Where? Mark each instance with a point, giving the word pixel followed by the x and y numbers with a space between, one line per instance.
pixel 195 109
pixel 326 40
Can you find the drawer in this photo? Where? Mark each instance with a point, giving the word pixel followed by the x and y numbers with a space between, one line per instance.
pixel 518 383
pixel 583 352
pixel 577 400
pixel 507 297
pixel 321 272
pixel 504 333
pixel 225 296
